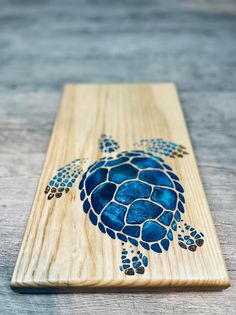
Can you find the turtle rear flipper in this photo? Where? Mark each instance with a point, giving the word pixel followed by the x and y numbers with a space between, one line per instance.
pixel 133 261
pixel 189 238
pixel 163 147
pixel 64 179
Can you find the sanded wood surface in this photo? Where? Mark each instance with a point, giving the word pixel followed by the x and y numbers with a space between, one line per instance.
pixel 61 248
pixel 47 43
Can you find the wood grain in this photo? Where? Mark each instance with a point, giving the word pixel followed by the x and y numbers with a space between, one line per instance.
pixel 190 43
pixel 61 248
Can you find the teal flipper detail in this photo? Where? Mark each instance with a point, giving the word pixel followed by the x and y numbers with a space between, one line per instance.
pixel 64 179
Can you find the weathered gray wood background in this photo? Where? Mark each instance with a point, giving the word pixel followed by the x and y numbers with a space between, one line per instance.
pixel 44 44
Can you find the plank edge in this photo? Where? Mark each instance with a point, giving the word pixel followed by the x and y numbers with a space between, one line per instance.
pixel 129 285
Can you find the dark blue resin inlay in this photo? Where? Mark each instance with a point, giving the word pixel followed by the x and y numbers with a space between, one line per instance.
pixel 92 165
pixel 96 178
pixel 136 264
pixel 166 218
pixel 165 244
pixel 145 162
pixel 102 195
pixel 122 237
pixel 178 187
pixel 113 216
pixel 145 245
pixel 174 226
pixel 82 195
pixel 181 197
pixel 155 177
pixel 142 210
pixel 93 217
pixel 177 216
pixel 101 227
pixel 131 153
pixel 133 241
pixel 132 190
pixel 170 235
pixel 180 207
pixel 86 206
pixel 156 248
pixel 116 161
pixel 167 167
pixel 145 261
pixel 111 233
pixel 172 175
pixel 166 197
pixel 152 231
pixel 96 165
pixel 123 172
pixel 132 230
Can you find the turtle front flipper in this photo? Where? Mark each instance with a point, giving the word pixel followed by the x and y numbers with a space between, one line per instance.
pixel 63 180
pixel 189 238
pixel 163 147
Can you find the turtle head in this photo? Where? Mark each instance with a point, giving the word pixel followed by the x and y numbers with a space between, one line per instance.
pixel 107 144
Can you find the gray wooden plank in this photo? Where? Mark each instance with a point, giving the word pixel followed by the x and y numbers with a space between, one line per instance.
pixel 45 44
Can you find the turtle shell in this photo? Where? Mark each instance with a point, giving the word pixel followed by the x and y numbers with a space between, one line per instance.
pixel 135 197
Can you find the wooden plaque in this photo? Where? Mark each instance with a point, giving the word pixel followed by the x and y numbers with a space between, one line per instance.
pixel 120 203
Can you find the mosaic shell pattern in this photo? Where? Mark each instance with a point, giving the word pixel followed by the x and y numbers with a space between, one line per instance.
pixel 134 197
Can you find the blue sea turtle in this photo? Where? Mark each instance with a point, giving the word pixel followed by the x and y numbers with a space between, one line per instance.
pixel 132 196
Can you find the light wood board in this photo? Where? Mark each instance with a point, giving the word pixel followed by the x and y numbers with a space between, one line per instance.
pixel 62 249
